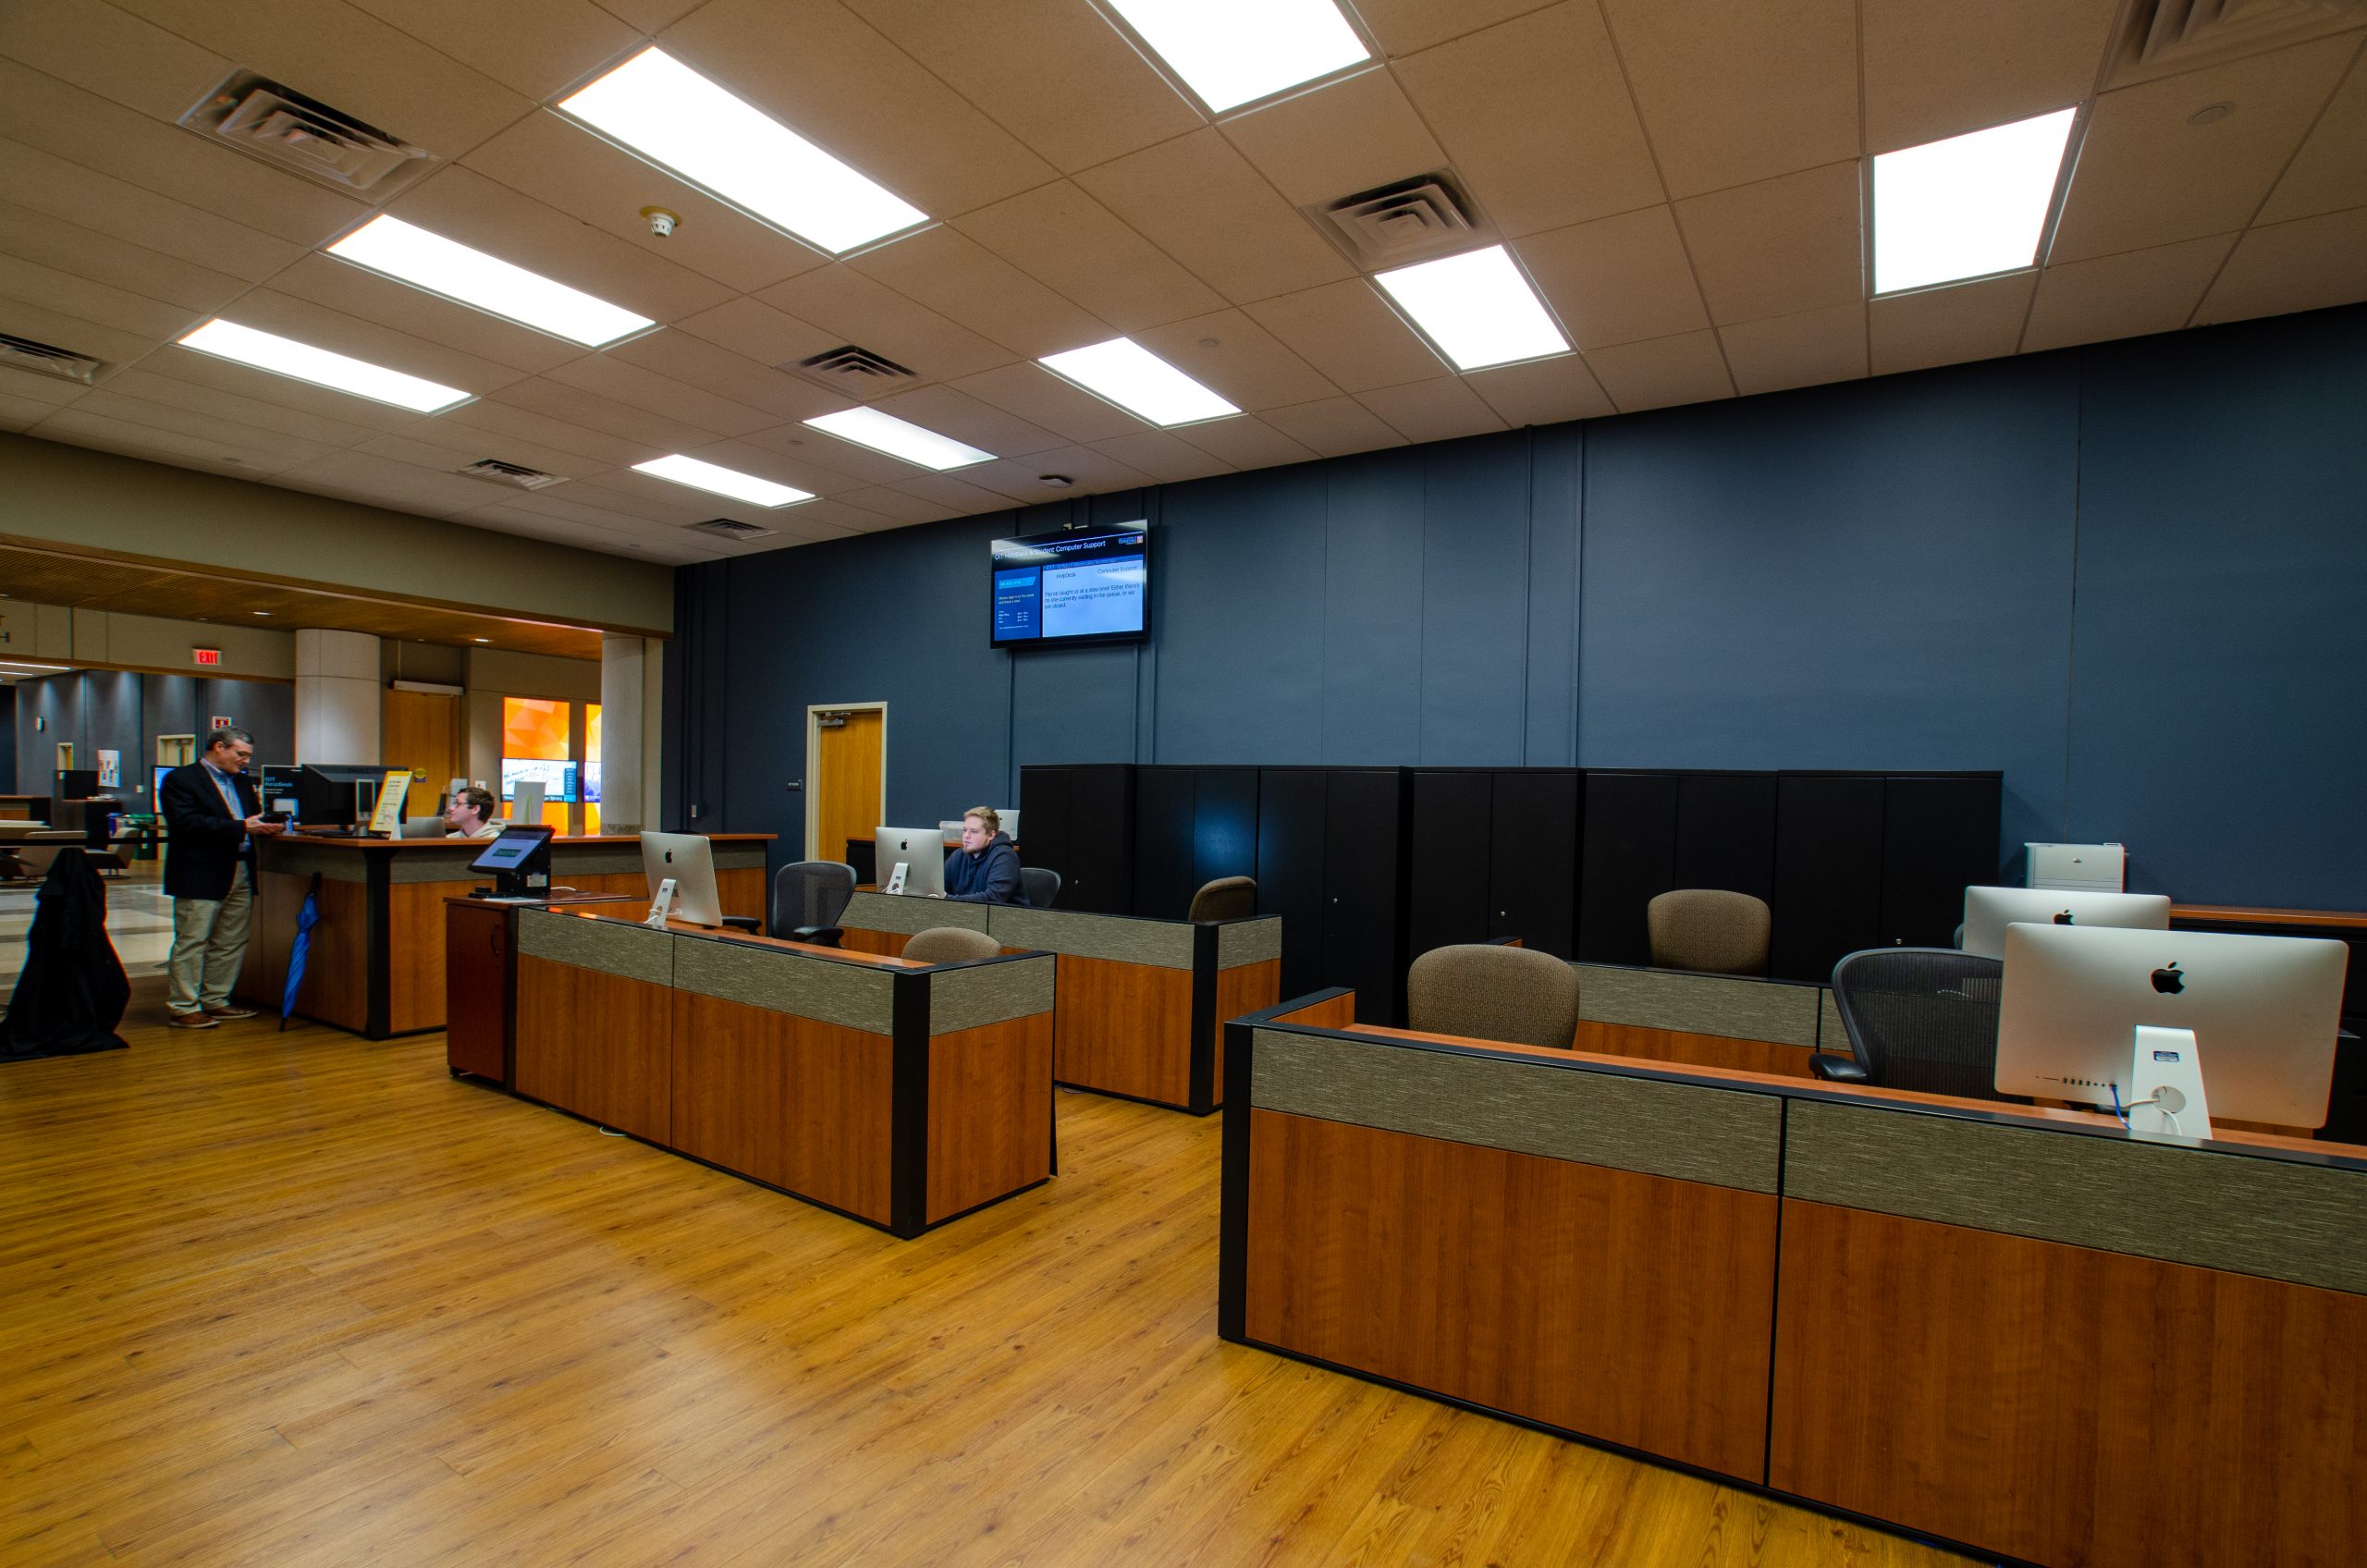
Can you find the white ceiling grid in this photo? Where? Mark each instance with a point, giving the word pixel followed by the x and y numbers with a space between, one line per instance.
pixel 1682 179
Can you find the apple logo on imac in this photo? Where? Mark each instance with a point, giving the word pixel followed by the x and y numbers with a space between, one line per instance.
pixel 2169 982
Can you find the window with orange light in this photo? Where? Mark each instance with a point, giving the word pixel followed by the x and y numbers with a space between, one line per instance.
pixel 534 729
pixel 592 767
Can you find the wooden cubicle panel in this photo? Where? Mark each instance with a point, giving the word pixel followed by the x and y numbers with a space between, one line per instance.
pixel 989 1112
pixel 594 1041
pixel 338 960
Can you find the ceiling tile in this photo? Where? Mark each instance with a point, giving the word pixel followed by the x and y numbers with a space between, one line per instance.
pixel 21 413
pixel 509 519
pixel 1340 139
pixel 2123 296
pixel 268 310
pixel 621 380
pixel 387 483
pixel 1735 94
pixel 557 164
pixel 281 449
pixel 533 47
pixel 166 446
pixel 1042 399
pixel 2302 266
pixel 569 405
pixel 1936 71
pixel 1057 77
pixel 505 422
pixel 935 149
pixel 1348 334
pixel 963 281
pixel 49 391
pixel 983 426
pixel 601 510
pixel 1687 368
pixel 756 331
pixel 1537 118
pixel 1162 456
pixel 959 495
pixel 2145 176
pixel 897 505
pixel 2329 174
pixel 854 308
pixel 1081 249
pixel 237 384
pixel 103 260
pixel 69 294
pixel 1095 472
pixel 1801 351
pixel 694 362
pixel 1542 391
pixel 37 182
pixel 1432 410
pixel 77 335
pixel 1618 279
pixel 1201 202
pixel 840 518
pixel 1246 442
pixel 1238 359
pixel 673 505
pixel 1946 326
pixel 370 295
pixel 310 423
pixel 652 17
pixel 344 57
pixel 1778 248
pixel 816 460
pixel 1404 26
pixel 102 49
pixel 1333 426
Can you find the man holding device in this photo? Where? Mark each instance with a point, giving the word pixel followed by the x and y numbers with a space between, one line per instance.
pixel 212 815
pixel 985 870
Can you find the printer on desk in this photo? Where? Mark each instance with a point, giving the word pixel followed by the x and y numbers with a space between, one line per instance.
pixel 2080 868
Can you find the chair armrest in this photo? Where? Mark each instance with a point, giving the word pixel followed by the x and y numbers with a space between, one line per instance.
pixel 743 923
pixel 819 936
pixel 1838 1069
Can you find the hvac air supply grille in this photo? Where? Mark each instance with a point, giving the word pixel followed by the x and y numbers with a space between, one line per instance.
pixel 727 528
pixel 854 373
pixel 2163 36
pixel 1407 221
pixel 281 126
pixel 494 471
pixel 45 359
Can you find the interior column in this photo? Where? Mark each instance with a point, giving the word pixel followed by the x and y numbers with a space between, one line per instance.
pixel 336 697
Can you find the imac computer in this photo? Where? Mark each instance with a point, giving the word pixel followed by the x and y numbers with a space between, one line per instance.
pixel 2240 1027
pixel 520 861
pixel 909 859
pixel 1988 911
pixel 687 861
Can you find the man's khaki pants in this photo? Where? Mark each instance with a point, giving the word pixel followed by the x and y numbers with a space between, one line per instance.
pixel 209 941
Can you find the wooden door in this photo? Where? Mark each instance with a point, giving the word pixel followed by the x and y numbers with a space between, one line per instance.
pixel 422 731
pixel 847 772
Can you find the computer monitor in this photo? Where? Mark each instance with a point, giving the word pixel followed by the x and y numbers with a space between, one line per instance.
pixel 156 787
pixel 1988 911
pixel 280 783
pixel 920 850
pixel 689 861
pixel 425 828
pixel 2263 1009
pixel 520 859
pixel 337 794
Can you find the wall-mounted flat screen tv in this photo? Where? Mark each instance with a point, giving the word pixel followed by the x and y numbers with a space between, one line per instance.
pixel 1092 586
pixel 557 779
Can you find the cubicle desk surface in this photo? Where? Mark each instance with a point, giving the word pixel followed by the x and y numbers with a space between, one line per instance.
pixel 901 1093
pixel 2014 1328
pixel 376 960
pixel 1141 1001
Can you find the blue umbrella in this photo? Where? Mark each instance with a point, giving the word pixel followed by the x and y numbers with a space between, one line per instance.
pixel 301 948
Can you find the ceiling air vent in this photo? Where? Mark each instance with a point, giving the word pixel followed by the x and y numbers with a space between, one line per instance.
pixel 499 472
pixel 48 360
pixel 854 373
pixel 726 528
pixel 2163 36
pixel 283 127
pixel 1407 221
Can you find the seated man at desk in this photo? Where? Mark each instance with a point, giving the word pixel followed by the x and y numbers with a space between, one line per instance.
pixel 985 870
pixel 472 813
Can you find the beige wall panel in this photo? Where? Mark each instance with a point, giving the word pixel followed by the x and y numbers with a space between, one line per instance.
pixel 2138 291
pixel 1780 247
pixel 1618 279
pixel 1687 368
pixel 1735 94
pixel 1944 327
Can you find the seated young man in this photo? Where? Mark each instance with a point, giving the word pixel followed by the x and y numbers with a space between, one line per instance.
pixel 473 814
pixel 985 870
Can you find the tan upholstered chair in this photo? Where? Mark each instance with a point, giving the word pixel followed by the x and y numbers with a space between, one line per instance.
pixel 949 944
pixel 1709 931
pixel 1227 897
pixel 1493 993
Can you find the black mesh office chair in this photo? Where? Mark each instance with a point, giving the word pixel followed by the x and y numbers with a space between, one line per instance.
pixel 1919 1018
pixel 1039 885
pixel 808 897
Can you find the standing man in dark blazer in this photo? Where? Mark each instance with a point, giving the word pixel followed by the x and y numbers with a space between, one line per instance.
pixel 212 814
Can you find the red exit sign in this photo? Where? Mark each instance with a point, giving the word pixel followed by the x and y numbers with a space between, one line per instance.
pixel 206 656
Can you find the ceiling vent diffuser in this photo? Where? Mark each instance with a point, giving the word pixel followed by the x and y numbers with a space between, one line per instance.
pixel 283 127
pixel 854 373
pixel 44 359
pixel 2163 36
pixel 727 528
pixel 499 472
pixel 1410 220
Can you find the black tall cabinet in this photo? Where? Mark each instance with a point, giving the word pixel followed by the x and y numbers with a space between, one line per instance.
pixel 1079 820
pixel 1192 826
pixel 1492 852
pixel 1330 863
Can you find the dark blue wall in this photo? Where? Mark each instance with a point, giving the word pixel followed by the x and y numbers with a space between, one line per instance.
pixel 2127 575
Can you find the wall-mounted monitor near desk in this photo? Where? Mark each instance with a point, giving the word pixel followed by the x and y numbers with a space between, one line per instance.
pixel 557 779
pixel 1092 586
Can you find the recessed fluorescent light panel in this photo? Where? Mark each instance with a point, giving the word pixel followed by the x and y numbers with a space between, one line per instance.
pixel 660 108
pixel 284 356
pixel 412 256
pixel 1140 382
pixel 721 480
pixel 1235 52
pixel 1966 207
pixel 886 432
pixel 1477 308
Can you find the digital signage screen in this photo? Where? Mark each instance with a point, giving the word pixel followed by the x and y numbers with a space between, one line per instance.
pixel 1092 586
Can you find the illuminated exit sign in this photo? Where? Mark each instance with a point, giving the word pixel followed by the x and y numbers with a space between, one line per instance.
pixel 206 656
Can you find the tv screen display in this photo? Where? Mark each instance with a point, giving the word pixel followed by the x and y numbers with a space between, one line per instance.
pixel 557 779
pixel 1057 589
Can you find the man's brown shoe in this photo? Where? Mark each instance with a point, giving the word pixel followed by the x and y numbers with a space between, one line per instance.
pixel 190 1021
pixel 229 1013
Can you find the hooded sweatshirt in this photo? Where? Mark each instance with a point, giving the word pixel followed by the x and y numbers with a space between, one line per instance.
pixel 990 876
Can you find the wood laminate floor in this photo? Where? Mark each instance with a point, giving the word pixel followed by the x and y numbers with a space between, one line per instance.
pixel 298 1299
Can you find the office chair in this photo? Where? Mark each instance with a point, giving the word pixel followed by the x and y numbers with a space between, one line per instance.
pixel 1227 897
pixel 808 897
pixel 1709 931
pixel 1490 992
pixel 949 944
pixel 1919 1018
pixel 1039 885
